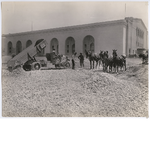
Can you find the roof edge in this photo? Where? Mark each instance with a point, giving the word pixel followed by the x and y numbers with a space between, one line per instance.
pixel 68 27
pixel 136 19
pixel 142 22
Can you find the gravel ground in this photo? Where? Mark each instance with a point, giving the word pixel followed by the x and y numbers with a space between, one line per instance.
pixel 76 93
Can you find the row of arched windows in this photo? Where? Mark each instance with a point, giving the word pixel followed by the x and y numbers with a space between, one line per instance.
pixel 88 44
pixel 18 46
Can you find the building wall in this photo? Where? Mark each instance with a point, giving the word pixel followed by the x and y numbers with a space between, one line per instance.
pixel 129 36
pixel 135 41
pixel 142 40
pixel 3 46
pixel 111 37
pixel 120 35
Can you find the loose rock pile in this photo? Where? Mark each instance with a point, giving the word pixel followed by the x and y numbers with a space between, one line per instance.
pixel 123 95
pixel 77 93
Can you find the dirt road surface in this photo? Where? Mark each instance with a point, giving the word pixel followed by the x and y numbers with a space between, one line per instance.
pixel 76 93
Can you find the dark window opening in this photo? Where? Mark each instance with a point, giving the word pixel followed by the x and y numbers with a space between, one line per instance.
pixel 9 49
pixel 67 48
pixel 129 51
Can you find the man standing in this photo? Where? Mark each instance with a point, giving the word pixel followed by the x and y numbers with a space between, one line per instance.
pixel 73 60
pixel 81 58
pixel 53 56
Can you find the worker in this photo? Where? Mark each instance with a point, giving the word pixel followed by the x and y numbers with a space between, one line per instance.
pixel 73 60
pixel 53 56
pixel 81 58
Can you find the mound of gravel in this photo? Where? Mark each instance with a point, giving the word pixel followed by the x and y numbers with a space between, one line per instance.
pixel 124 94
pixel 97 82
pixel 71 93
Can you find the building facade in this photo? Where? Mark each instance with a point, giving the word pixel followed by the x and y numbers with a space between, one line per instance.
pixel 125 35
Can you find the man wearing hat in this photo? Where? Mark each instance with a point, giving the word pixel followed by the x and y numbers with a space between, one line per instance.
pixel 81 58
pixel 53 56
pixel 73 60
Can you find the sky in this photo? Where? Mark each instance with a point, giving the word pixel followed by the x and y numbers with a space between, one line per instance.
pixel 30 16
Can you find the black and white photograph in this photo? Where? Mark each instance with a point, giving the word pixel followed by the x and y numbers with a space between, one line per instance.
pixel 74 75
pixel 75 59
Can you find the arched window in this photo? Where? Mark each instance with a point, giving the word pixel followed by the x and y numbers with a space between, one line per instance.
pixel 73 48
pixel 88 43
pixel 9 48
pixel 92 46
pixel 18 47
pixel 28 43
pixel 70 46
pixel 54 45
pixel 67 49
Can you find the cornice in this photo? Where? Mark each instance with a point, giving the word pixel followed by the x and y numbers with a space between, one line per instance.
pixel 69 28
pixel 138 19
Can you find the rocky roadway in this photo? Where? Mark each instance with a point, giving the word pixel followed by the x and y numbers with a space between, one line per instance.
pixel 75 93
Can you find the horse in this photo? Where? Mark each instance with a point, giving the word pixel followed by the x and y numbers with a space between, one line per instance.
pixel 92 58
pixel 115 60
pixel 118 61
pixel 122 62
pixel 101 54
pixel 107 62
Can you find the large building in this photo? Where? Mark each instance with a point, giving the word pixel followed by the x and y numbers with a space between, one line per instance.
pixel 126 35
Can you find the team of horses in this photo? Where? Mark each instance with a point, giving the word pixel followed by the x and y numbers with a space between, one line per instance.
pixel 109 63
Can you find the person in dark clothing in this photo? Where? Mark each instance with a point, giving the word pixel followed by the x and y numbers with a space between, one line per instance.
pixel 73 61
pixel 81 58
pixel 73 64
pixel 53 56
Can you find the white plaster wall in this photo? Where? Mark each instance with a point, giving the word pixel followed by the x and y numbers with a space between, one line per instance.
pixel 124 41
pixel 138 23
pixel 109 38
pixel 106 37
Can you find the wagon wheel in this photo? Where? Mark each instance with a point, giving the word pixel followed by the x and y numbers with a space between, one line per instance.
pixel 37 66
pixel 24 68
pixel 27 67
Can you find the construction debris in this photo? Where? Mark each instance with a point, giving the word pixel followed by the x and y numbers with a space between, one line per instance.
pixel 75 93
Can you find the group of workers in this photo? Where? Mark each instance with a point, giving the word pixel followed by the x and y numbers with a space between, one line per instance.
pixel 73 59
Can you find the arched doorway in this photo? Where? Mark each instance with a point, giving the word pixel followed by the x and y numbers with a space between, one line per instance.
pixel 28 43
pixel 9 48
pixel 54 45
pixel 18 47
pixel 70 46
pixel 88 43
